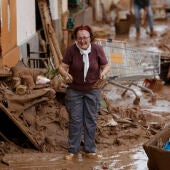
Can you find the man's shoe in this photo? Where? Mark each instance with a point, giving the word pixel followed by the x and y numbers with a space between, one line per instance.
pixel 69 156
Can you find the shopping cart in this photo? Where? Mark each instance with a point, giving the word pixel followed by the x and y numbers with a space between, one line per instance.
pixel 130 64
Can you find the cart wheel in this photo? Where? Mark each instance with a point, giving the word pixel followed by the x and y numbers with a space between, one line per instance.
pixel 136 101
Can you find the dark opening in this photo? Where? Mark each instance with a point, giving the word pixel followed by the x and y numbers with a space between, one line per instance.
pixel 12 132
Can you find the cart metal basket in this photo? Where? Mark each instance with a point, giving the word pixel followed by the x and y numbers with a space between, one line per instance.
pixel 130 64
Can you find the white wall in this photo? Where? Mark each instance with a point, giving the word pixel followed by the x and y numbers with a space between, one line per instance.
pixel 26 26
pixel 54 9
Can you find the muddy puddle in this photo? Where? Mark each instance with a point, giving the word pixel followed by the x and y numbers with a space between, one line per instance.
pixel 131 159
pixel 159 105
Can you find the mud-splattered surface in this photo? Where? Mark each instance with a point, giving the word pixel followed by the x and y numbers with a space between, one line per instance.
pixel 121 145
pixel 122 126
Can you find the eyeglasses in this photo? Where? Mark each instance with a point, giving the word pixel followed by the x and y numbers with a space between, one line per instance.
pixel 82 38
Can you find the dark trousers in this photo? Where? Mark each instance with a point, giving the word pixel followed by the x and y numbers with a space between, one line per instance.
pixel 83 109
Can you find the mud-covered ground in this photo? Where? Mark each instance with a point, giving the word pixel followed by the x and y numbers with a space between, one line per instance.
pixel 122 127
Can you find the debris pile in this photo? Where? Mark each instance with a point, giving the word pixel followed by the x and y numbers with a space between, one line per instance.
pixel 34 110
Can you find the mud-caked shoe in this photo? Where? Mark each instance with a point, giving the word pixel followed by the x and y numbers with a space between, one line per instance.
pixel 69 156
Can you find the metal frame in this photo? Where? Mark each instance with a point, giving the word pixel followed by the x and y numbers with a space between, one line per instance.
pixel 130 64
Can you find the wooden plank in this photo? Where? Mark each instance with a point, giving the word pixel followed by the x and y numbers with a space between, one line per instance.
pixel 41 7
